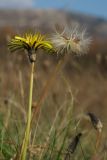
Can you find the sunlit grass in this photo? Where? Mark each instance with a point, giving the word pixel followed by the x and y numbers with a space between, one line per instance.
pixel 56 125
pixel 52 134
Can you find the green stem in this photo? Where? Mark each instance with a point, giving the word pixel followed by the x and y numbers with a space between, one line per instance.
pixel 27 131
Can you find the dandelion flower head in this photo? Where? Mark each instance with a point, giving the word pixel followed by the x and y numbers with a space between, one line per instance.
pixel 31 43
pixel 73 39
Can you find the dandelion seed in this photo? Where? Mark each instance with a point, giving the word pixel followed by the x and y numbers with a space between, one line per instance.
pixel 97 124
pixel 31 43
pixel 72 147
pixel 72 39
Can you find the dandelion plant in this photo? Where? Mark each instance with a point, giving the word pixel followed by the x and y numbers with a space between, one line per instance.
pixel 71 39
pixel 31 43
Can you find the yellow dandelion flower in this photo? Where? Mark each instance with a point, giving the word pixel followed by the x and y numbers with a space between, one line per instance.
pixel 31 43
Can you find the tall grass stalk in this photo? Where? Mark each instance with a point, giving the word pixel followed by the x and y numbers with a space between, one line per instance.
pixel 6 123
pixel 27 131
pixel 48 85
pixel 44 92
pixel 98 140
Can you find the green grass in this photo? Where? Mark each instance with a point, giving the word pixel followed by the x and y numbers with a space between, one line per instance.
pixel 61 116
pixel 51 133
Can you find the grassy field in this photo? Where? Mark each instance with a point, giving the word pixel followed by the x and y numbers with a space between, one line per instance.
pixel 79 87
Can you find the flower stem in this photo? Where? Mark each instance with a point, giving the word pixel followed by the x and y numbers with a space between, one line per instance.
pixel 27 131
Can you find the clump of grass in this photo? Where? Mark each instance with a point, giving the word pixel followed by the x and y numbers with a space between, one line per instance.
pixel 55 141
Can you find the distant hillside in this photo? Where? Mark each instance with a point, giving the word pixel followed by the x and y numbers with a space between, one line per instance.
pixel 45 19
pixel 19 21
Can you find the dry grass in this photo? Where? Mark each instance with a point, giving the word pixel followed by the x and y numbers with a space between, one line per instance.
pixel 79 86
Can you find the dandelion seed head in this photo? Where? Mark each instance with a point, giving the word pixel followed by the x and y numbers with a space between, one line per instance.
pixel 73 39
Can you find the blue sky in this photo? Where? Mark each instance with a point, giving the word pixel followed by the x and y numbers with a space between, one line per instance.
pixel 93 7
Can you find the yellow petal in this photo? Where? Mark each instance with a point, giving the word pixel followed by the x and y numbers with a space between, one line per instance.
pixel 20 38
